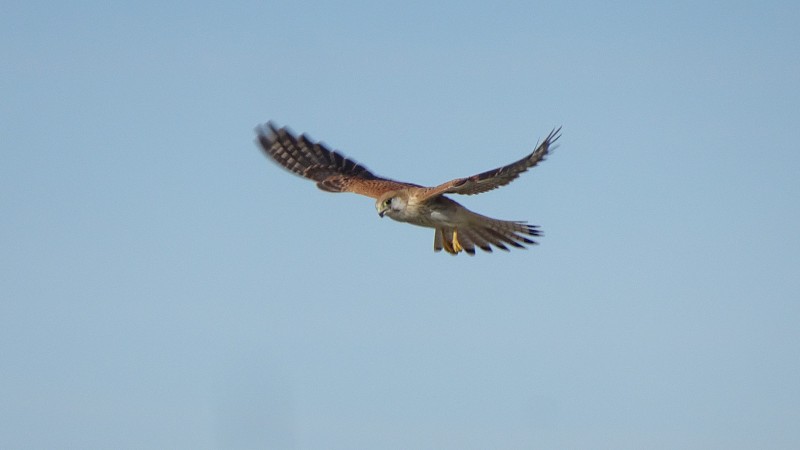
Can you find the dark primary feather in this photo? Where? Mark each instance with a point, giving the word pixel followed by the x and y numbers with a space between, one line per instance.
pixel 330 169
pixel 501 176
pixel 304 157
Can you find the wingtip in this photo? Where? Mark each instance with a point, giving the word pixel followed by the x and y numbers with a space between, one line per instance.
pixel 270 128
pixel 267 130
pixel 552 137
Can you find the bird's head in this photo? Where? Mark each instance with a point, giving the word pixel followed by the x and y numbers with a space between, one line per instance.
pixel 391 203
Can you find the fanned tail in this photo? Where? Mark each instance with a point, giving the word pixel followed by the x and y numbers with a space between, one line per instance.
pixel 485 233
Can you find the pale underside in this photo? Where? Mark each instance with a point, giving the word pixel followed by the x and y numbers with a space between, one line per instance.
pixel 457 228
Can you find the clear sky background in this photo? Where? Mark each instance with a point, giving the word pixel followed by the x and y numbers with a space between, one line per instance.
pixel 165 286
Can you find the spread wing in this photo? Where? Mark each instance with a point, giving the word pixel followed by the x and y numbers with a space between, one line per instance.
pixel 332 171
pixel 493 179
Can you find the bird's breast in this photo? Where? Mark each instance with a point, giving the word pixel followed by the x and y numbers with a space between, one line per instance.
pixel 434 213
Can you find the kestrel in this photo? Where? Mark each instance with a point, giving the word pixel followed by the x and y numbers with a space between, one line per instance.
pixel 456 227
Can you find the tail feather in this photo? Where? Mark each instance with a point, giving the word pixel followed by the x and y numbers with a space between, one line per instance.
pixel 484 233
pixel 467 240
pixel 479 238
pixel 505 239
pixel 438 240
pixel 488 235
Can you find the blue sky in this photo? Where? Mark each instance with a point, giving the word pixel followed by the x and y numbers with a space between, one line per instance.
pixel 165 286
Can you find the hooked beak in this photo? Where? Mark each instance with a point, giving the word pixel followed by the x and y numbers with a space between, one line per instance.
pixel 381 213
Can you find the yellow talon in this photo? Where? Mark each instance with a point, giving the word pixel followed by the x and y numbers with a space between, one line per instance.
pixel 456 245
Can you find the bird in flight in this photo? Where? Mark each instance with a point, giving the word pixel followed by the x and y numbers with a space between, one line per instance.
pixel 456 227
